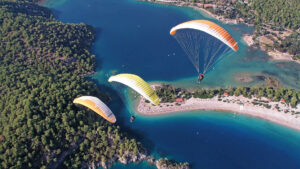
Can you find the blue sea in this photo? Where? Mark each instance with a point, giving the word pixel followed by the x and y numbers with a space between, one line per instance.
pixel 133 37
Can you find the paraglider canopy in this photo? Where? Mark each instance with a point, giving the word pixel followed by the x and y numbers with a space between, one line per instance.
pixel 137 84
pixel 204 42
pixel 97 106
pixel 210 28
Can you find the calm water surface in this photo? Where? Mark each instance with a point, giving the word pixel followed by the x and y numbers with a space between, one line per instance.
pixel 133 37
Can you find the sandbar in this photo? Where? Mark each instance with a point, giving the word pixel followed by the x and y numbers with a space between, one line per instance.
pixel 286 115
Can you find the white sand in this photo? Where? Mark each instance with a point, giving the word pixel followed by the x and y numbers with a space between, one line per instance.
pixel 248 39
pixel 276 55
pixel 238 104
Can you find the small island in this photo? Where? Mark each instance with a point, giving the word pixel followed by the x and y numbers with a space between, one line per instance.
pixel 276 105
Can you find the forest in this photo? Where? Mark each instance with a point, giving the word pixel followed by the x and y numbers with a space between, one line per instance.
pixel 267 16
pixel 290 44
pixel 42 63
pixel 282 13
pixel 168 93
pixel 277 15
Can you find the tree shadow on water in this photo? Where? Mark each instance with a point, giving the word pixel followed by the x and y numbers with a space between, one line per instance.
pixel 98 32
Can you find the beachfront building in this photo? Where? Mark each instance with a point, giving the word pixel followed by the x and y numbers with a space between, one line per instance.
pixel 179 100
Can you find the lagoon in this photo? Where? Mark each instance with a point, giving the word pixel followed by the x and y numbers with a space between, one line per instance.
pixel 133 37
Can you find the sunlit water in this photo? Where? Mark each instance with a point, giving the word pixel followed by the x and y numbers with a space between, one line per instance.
pixel 133 37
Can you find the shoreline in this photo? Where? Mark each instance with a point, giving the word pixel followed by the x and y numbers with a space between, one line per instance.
pixel 42 2
pixel 232 106
pixel 219 18
pixel 247 38
pixel 274 54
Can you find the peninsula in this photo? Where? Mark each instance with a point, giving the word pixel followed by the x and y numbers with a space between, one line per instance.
pixel 43 65
pixel 276 105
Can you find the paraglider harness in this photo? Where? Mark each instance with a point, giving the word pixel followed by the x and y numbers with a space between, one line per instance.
pixel 200 77
pixel 132 118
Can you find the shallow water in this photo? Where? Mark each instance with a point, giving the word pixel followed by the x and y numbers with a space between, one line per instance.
pixel 133 37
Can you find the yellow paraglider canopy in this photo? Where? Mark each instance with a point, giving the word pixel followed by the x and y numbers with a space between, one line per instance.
pixel 137 84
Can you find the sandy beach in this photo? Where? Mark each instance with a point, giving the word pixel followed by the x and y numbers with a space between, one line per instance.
pixel 248 39
pixel 276 55
pixel 220 18
pixel 233 104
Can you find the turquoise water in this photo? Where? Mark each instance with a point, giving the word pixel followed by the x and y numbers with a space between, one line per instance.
pixel 143 165
pixel 133 37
